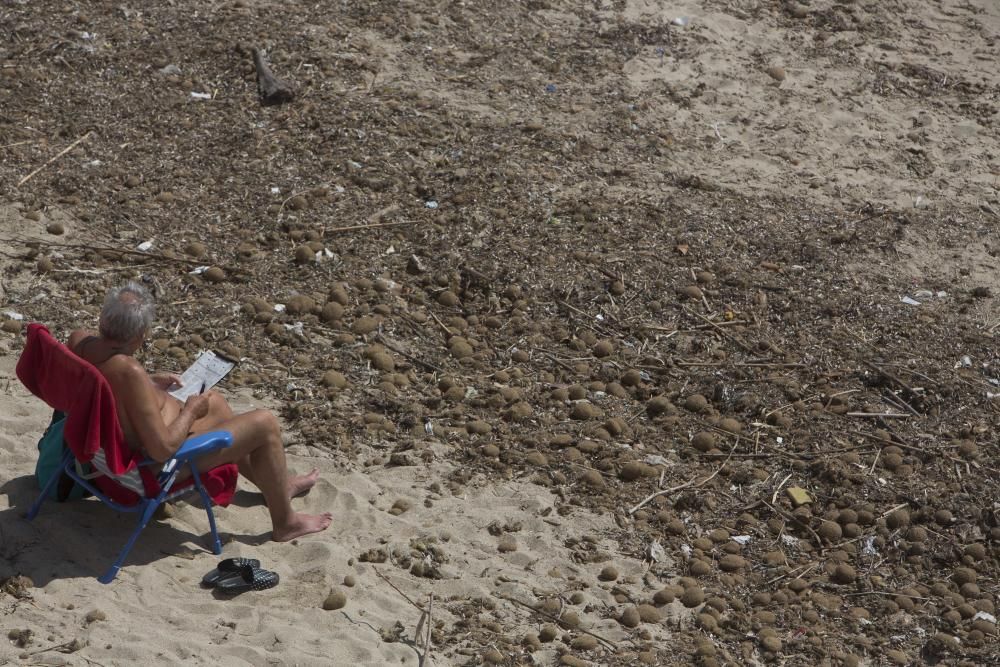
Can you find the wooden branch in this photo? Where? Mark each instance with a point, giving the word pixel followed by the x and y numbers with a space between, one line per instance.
pixel 272 90
pixel 53 159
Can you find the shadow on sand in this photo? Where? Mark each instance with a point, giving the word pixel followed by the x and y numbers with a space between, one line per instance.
pixel 81 538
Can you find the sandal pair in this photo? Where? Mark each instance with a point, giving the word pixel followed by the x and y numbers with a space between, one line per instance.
pixel 237 575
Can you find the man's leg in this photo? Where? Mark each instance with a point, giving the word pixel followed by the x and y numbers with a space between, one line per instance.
pixel 258 451
pixel 220 412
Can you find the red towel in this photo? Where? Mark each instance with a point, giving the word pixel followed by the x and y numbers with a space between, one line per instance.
pixel 72 385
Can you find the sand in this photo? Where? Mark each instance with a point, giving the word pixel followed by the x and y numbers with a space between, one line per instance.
pixel 557 176
pixel 157 613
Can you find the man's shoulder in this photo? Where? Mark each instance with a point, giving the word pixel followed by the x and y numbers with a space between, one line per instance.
pixel 124 368
pixel 78 335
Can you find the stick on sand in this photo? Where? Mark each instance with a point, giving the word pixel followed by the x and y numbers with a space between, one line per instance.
pixel 53 159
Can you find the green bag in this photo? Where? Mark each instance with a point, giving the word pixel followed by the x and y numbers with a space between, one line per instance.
pixel 51 450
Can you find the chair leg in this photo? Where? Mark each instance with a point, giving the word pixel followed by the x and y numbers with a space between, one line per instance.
pixel 147 514
pixel 49 487
pixel 216 542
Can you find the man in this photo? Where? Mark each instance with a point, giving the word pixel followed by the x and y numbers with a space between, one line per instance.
pixel 156 423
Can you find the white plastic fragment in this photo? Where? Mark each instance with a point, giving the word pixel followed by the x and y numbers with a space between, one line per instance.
pixel 145 246
pixel 431 204
pixel 908 301
pixel 655 552
pixel 681 21
pixel 200 96
pixel 964 362
pixel 296 328
pixel 868 546
pixel 279 307
pixel 742 539
pixel 984 616
pixel 198 270
pixel 656 460
pixel 12 315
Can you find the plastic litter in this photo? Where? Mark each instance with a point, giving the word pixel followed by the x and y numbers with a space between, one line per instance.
pixel 145 246
pixel 655 552
pixel 681 21
pixel 909 301
pixel 431 204
pixel 200 96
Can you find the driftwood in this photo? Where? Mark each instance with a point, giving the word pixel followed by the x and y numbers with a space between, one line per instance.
pixel 272 90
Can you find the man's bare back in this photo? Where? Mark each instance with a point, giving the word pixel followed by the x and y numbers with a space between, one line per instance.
pixel 117 367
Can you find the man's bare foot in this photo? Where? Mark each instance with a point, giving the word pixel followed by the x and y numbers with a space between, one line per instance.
pixel 301 524
pixel 299 484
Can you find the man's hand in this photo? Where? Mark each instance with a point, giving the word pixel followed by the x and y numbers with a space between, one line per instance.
pixel 198 405
pixel 166 381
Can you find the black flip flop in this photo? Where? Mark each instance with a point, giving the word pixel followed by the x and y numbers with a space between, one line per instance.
pixel 248 579
pixel 228 568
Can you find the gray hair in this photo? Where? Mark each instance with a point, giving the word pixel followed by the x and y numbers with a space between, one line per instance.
pixel 128 312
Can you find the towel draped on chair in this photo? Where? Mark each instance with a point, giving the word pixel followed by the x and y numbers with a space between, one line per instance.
pixel 72 385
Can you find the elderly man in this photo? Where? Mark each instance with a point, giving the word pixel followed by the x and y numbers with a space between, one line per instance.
pixel 156 423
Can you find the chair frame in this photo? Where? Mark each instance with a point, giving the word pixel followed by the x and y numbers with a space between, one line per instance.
pixel 191 449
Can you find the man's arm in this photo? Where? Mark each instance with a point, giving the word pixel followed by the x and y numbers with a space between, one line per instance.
pixel 136 394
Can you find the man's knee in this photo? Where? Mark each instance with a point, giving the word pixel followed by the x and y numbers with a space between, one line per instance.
pixel 216 400
pixel 266 423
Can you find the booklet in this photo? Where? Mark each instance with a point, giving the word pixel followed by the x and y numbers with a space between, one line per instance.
pixel 206 371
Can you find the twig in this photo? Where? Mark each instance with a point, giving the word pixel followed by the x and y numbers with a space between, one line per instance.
pixel 886 593
pixel 685 485
pixel 447 331
pixel 427 640
pixel 893 509
pixel 53 159
pixel 555 618
pixel 774 496
pixel 120 251
pixel 352 228
pixel 794 519
pixel 878 415
pixel 405 596
pixel 724 334
pixel 755 364
pixel 426 364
